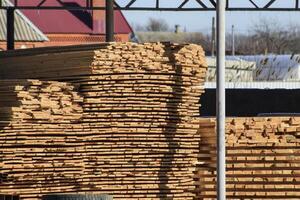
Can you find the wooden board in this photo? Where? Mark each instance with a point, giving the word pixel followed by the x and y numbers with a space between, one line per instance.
pixel 122 120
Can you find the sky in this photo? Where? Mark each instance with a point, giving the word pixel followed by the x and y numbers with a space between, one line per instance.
pixel 200 21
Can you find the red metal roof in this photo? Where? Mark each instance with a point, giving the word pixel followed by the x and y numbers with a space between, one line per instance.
pixel 64 21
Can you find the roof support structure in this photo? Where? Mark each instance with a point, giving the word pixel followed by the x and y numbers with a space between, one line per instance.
pixel 109 20
pixel 220 100
pixel 212 5
pixel 10 30
pixel 182 5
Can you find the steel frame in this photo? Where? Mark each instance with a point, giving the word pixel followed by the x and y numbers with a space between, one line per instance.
pixel 220 6
pixel 199 5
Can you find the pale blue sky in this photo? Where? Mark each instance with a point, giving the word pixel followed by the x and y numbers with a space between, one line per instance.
pixel 201 20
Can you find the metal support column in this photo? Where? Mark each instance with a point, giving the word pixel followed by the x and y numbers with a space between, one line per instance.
pixel 109 10
pixel 213 37
pixel 232 41
pixel 10 28
pixel 221 161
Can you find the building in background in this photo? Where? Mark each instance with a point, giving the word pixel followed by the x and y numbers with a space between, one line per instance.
pixel 274 67
pixel 27 35
pixel 71 27
pixel 237 70
pixel 175 37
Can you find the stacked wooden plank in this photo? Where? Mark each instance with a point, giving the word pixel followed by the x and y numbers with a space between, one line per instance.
pixel 35 101
pixel 262 158
pixel 139 113
pixel 140 104
pixel 135 134
pixel 41 142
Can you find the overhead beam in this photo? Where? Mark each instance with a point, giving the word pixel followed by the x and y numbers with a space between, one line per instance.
pixel 41 3
pixel 269 4
pixel 155 9
pixel 157 4
pixel 253 3
pixel 130 3
pixel 201 3
pixel 213 3
pixel 183 3
pixel 209 5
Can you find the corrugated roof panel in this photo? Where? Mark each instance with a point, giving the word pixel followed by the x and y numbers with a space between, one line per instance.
pixel 25 30
pixel 2 25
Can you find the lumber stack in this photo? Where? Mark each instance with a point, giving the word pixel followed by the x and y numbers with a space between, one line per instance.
pixel 140 103
pixel 41 142
pixel 262 158
pixel 34 101
pixel 130 129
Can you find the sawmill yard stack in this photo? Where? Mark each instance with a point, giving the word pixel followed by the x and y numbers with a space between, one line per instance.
pixel 114 118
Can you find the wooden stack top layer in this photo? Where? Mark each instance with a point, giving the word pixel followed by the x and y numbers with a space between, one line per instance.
pixel 264 131
pixel 65 62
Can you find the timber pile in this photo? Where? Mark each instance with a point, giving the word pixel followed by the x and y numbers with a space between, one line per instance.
pixel 140 107
pixel 41 142
pixel 34 101
pixel 262 158
pixel 139 113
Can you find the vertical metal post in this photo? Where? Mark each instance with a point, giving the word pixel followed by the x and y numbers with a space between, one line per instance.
pixel 10 28
pixel 221 161
pixel 233 41
pixel 109 26
pixel 213 37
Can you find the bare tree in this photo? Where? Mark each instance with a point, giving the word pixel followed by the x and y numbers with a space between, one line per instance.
pixel 138 27
pixel 267 36
pixel 294 36
pixel 271 37
pixel 157 25
pixel 242 44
